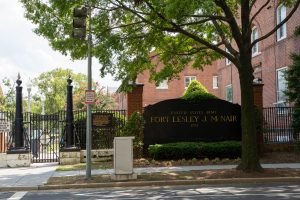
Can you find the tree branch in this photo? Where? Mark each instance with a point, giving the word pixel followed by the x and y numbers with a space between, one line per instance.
pixel 252 4
pixel 194 37
pixel 145 20
pixel 216 17
pixel 207 18
pixel 223 37
pixel 231 21
pixel 259 10
pixel 124 25
pixel 278 25
pixel 106 9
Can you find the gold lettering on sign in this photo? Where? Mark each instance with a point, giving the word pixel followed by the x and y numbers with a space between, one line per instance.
pixel 211 112
pixel 228 118
pixel 187 119
pixel 193 119
pixel 159 119
pixel 214 118
pixel 204 119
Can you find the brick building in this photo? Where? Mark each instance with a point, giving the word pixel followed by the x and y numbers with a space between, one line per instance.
pixel 270 58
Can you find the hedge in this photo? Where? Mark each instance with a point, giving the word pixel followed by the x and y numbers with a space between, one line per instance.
pixel 189 150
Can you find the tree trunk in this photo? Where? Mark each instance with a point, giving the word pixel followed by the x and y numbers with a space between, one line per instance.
pixel 250 158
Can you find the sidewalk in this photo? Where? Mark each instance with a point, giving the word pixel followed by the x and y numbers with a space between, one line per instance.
pixel 35 177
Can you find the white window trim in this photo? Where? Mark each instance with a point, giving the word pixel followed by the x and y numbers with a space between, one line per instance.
pixel 257 52
pixel 190 79
pixel 277 91
pixel 215 82
pixel 283 26
pixel 163 85
pixel 227 61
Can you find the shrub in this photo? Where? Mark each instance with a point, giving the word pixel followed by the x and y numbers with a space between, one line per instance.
pixel 134 126
pixel 196 92
pixel 189 150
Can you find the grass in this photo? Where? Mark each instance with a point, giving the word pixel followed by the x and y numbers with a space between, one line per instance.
pixel 81 166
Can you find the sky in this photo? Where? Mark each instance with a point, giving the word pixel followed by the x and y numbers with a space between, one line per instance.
pixel 24 52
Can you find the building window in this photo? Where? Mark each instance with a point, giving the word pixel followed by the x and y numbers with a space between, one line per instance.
pixel 254 36
pixel 281 85
pixel 163 85
pixel 215 82
pixel 229 93
pixel 227 61
pixel 281 14
pixel 188 79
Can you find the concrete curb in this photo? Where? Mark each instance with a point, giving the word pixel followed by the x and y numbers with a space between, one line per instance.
pixel 157 183
pixel 174 183
pixel 18 188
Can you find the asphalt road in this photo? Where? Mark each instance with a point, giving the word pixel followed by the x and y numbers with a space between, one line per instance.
pixel 232 192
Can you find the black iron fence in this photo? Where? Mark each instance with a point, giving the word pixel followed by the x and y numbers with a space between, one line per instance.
pixel 6 124
pixel 44 135
pixel 103 133
pixel 277 127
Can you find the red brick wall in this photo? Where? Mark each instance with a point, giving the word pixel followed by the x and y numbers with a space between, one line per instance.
pixel 135 100
pixel 176 87
pixel 273 55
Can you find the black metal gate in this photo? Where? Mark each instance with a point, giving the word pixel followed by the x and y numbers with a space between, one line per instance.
pixel 44 135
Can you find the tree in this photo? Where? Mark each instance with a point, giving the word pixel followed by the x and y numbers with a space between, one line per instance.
pixel 53 84
pixel 197 92
pixel 7 99
pixel 293 79
pixel 179 31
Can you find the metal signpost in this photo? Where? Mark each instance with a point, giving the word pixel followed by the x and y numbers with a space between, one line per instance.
pixel 79 31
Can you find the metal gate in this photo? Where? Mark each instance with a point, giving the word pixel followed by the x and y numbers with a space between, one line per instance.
pixel 6 124
pixel 44 135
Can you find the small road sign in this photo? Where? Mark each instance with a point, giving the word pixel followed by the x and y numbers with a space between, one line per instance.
pixel 4 126
pixel 89 96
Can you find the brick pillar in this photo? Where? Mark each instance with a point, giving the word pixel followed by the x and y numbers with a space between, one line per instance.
pixel 135 99
pixel 258 101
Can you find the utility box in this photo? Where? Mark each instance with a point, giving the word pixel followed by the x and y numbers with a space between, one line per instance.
pixel 123 159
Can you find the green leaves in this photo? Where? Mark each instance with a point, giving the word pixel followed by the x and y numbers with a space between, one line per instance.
pixel 197 92
pixel 53 84
pixel 124 34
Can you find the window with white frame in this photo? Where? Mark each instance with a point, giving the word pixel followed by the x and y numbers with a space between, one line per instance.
pixel 281 15
pixel 228 94
pixel 215 82
pixel 227 61
pixel 188 79
pixel 281 85
pixel 163 85
pixel 254 36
